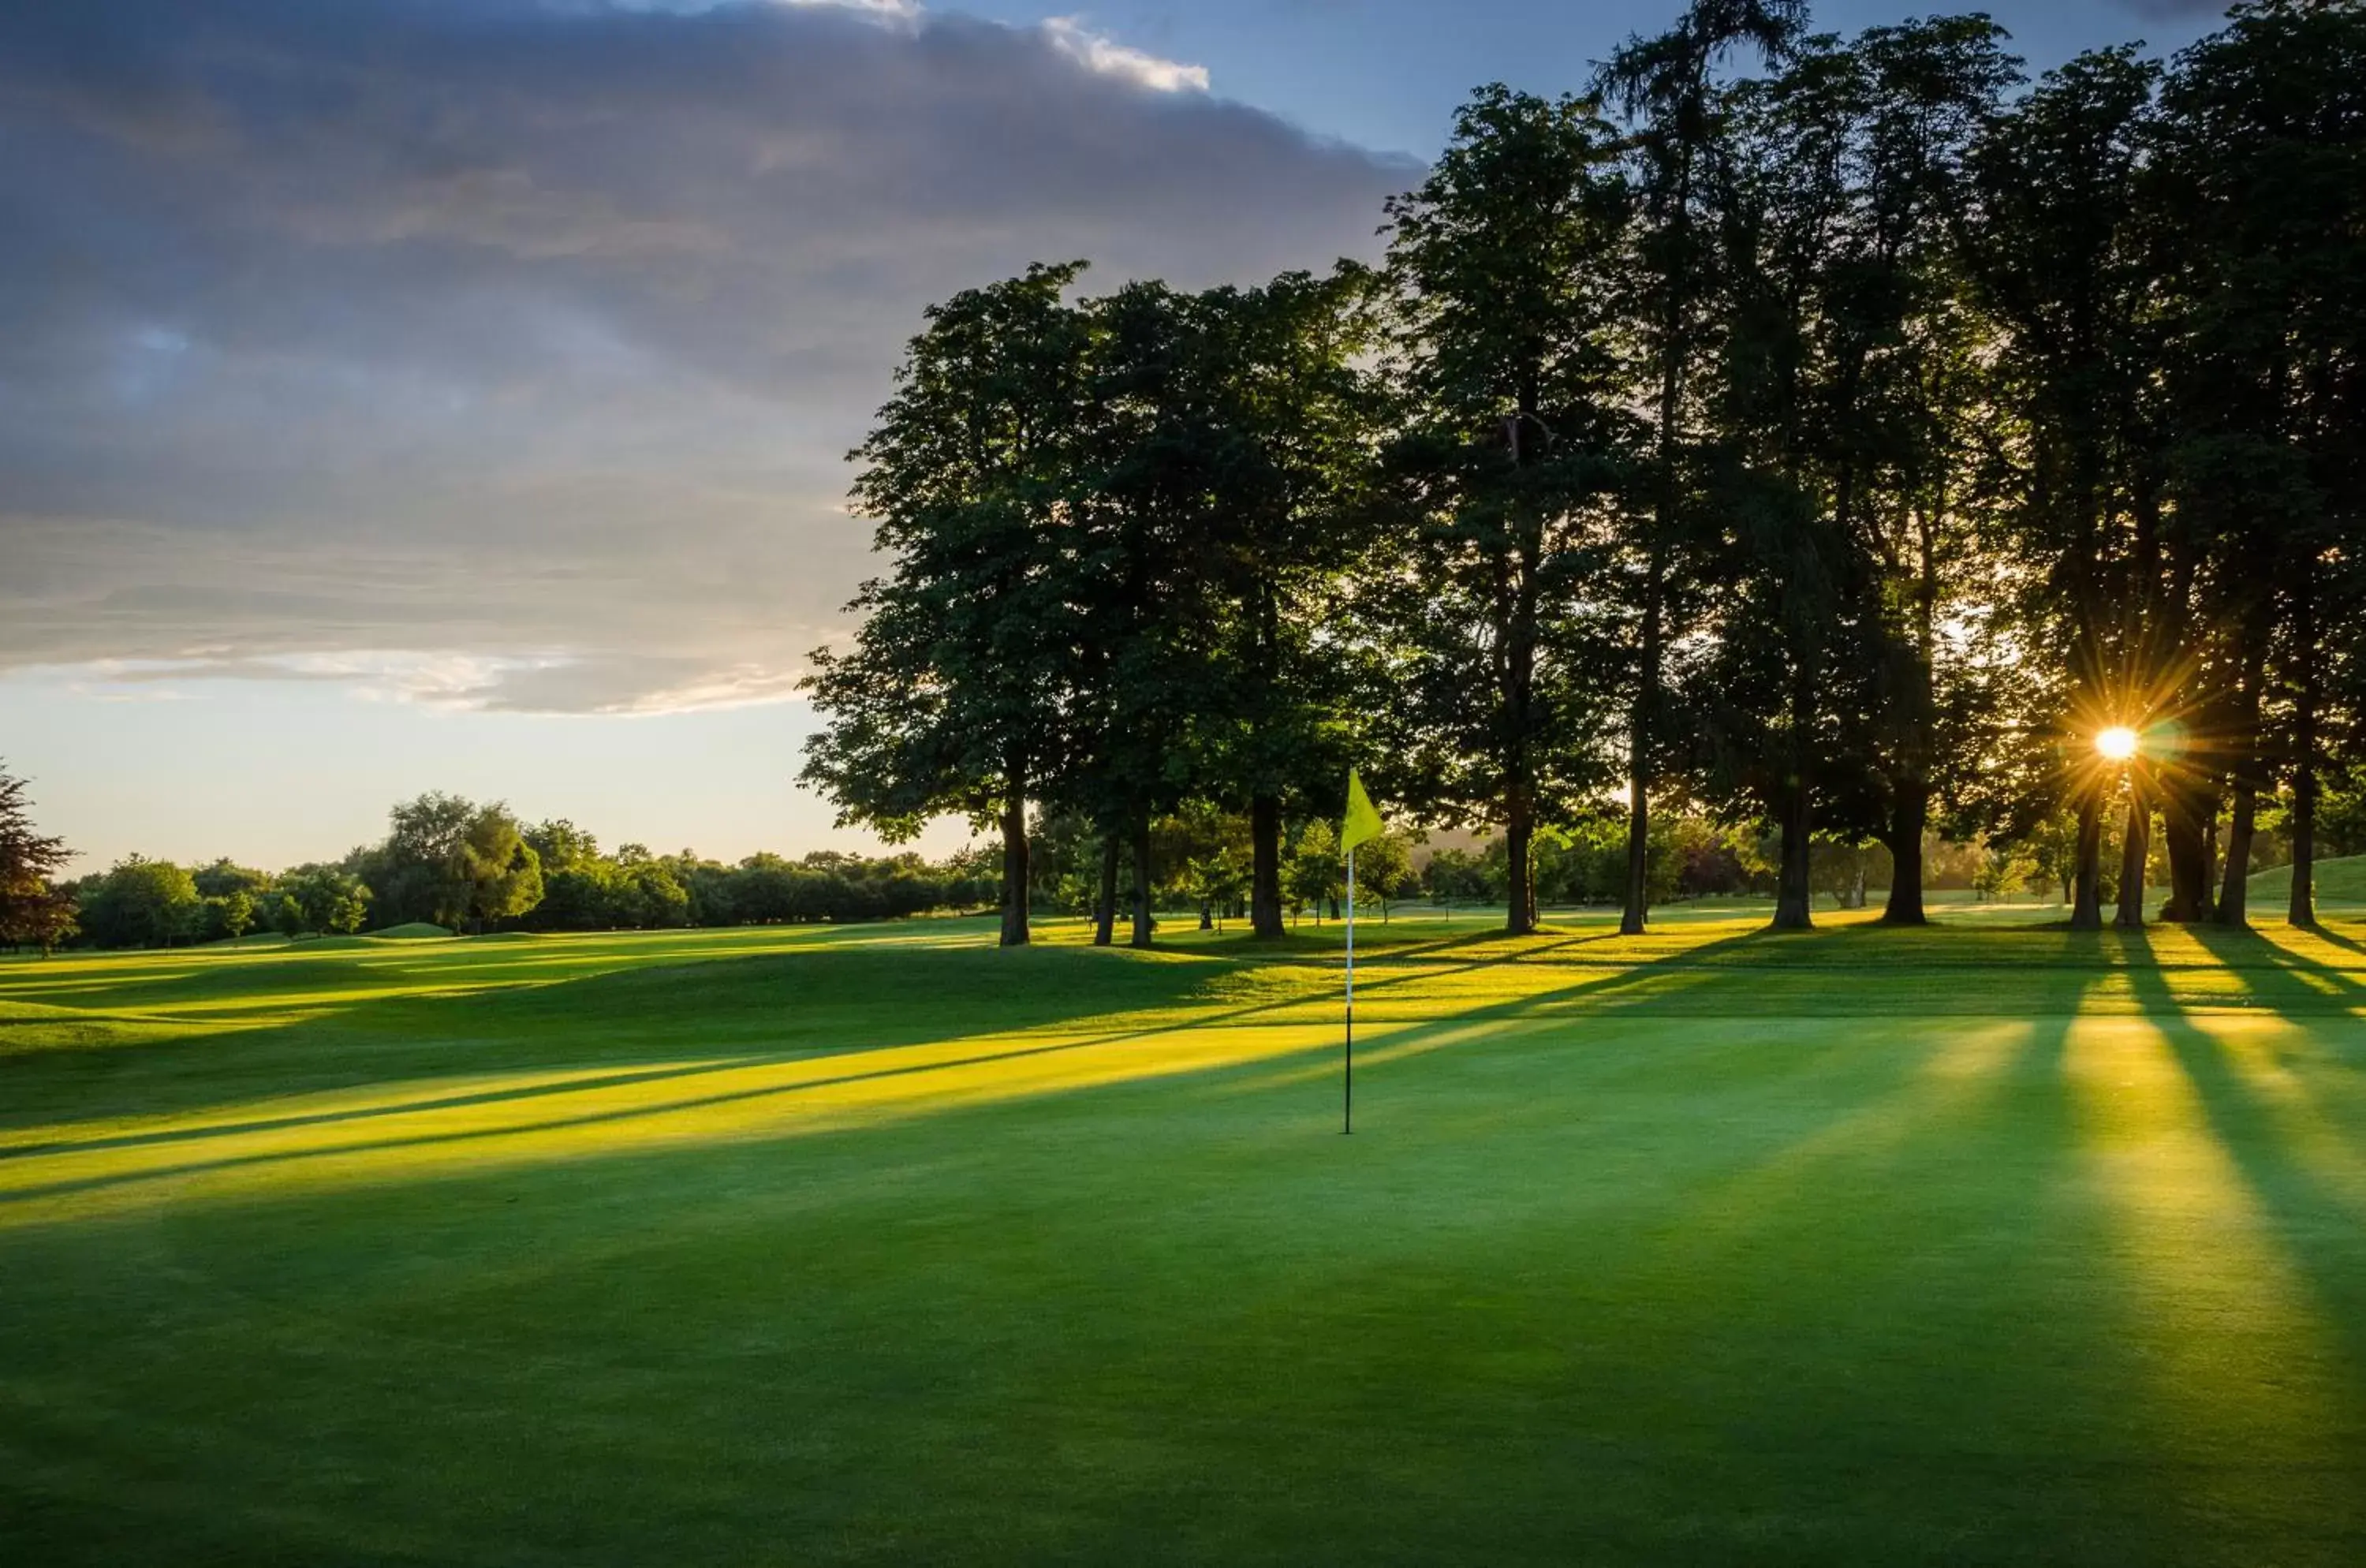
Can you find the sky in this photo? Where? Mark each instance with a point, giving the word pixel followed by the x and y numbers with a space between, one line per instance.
pixel 454 394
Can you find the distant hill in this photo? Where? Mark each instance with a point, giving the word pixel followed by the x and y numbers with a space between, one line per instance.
pixel 2337 882
pixel 413 931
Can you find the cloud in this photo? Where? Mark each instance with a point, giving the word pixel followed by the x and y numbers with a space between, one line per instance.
pixel 527 339
pixel 1106 58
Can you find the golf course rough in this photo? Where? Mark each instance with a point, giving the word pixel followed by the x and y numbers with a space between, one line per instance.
pixel 1989 1243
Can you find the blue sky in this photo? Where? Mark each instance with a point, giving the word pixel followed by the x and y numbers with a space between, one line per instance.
pixel 409 394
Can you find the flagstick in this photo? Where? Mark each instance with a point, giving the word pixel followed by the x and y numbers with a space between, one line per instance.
pixel 1347 1105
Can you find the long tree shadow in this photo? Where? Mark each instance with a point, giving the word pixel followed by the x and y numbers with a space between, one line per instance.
pixel 814 1002
pixel 782 1009
pixel 1167 989
pixel 2326 932
pixel 2294 981
pixel 2262 1134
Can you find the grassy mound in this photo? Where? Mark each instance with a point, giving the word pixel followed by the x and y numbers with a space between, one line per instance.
pixel 414 931
pixel 2337 882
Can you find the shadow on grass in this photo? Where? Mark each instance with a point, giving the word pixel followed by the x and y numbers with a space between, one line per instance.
pixel 727 1015
pixel 867 995
pixel 2280 1144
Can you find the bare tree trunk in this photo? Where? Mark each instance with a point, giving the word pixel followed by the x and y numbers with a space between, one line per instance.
pixel 1794 899
pixel 1908 816
pixel 1635 910
pixel 1142 920
pixel 1014 867
pixel 1105 907
pixel 1794 896
pixel 1520 888
pixel 2188 809
pixel 1265 874
pixel 2302 909
pixel 2135 848
pixel 2233 896
pixel 2087 879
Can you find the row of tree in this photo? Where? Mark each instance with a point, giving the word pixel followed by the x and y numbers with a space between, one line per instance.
pixel 459 864
pixel 1832 436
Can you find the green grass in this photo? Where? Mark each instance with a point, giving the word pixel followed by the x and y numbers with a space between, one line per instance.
pixel 1993 1243
pixel 2337 882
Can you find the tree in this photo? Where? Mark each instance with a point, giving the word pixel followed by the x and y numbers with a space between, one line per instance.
pixel 2055 253
pixel 141 903
pixel 31 909
pixel 2260 181
pixel 1903 416
pixel 225 876
pixel 1316 873
pixel 1665 86
pixel 320 898
pixel 952 695
pixel 498 871
pixel 1513 464
pixel 237 914
pixel 451 862
pixel 1384 870
pixel 1289 519
pixel 417 873
pixel 1784 692
pixel 1151 691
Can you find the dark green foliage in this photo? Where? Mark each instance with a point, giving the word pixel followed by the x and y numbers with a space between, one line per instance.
pixel 957 693
pixel 33 911
pixel 1500 610
pixel 141 903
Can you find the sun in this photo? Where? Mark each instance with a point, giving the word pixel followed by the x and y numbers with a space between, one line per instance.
pixel 2118 743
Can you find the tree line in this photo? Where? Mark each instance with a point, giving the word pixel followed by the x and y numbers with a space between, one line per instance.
pixel 1827 437
pixel 465 866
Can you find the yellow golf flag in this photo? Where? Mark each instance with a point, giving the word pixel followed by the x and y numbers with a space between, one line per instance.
pixel 1363 822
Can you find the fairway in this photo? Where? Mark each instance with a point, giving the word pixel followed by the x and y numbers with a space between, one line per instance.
pixel 1992 1243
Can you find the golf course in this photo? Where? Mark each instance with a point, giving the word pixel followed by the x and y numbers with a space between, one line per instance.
pixel 1994 1242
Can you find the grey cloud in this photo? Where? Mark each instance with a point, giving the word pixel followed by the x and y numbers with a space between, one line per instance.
pixel 516 329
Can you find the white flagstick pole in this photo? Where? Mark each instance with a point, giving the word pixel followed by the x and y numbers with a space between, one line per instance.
pixel 1348 1104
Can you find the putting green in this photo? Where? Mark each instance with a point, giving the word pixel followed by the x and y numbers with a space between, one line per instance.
pixel 1992 1243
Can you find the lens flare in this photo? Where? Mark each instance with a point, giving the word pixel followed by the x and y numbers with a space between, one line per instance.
pixel 2118 743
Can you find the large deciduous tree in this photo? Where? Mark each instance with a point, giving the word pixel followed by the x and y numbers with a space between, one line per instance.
pixel 1667 87
pixel 954 696
pixel 1516 461
pixel 2260 186
pixel 2057 253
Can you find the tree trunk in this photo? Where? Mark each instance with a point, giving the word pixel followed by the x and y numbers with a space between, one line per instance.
pixel 2233 895
pixel 1142 881
pixel 2186 812
pixel 1520 888
pixel 1206 914
pixel 1794 897
pixel 1105 907
pixel 1909 816
pixel 2087 878
pixel 1014 868
pixel 2135 848
pixel 1265 883
pixel 1635 911
pixel 2302 909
